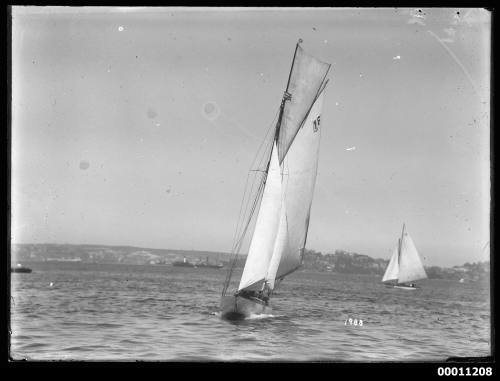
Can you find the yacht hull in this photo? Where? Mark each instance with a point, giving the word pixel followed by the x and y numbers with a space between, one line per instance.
pixel 238 308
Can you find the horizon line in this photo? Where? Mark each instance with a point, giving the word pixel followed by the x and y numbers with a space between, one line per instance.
pixel 221 252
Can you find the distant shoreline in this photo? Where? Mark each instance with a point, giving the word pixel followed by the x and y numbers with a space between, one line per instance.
pixel 341 262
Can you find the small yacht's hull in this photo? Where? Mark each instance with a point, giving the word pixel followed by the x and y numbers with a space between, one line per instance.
pixel 401 286
pixel 406 287
pixel 237 308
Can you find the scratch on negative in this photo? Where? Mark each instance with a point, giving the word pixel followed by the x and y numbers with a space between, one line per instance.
pixel 457 61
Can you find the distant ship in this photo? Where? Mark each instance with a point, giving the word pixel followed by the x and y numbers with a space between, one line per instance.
pixel 206 264
pixel 183 263
pixel 20 269
pixel 405 264
pixel 63 259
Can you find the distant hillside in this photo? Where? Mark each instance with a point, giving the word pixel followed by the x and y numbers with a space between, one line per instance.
pixel 340 262
pixel 110 254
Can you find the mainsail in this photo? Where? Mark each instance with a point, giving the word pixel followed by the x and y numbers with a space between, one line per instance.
pixel 299 170
pixel 410 265
pixel 405 264
pixel 280 233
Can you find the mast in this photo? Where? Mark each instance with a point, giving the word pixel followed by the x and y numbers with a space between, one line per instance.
pixel 293 61
pixel 286 96
pixel 400 246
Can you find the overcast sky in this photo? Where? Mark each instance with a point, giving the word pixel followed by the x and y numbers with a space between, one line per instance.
pixel 139 126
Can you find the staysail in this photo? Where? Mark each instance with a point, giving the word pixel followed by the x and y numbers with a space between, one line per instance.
pixel 280 233
pixel 266 226
pixel 392 271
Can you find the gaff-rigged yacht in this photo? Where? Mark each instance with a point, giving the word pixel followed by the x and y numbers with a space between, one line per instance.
pixel 286 190
pixel 405 264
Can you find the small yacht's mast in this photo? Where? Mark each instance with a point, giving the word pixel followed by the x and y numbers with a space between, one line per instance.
pixel 401 240
pixel 400 244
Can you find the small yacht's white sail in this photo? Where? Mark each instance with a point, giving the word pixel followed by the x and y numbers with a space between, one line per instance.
pixel 266 226
pixel 299 170
pixel 410 265
pixel 405 264
pixel 392 271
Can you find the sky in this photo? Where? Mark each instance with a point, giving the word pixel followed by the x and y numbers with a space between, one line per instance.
pixel 138 126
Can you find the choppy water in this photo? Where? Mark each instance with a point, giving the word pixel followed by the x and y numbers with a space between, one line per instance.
pixel 122 312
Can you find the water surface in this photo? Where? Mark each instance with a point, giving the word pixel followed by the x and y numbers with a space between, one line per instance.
pixel 127 312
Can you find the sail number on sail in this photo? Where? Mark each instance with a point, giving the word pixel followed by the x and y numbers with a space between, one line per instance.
pixel 316 123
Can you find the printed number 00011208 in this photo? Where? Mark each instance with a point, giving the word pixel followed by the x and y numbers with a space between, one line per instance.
pixel 460 371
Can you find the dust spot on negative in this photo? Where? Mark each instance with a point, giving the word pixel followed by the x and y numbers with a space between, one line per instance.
pixel 84 164
pixel 210 110
pixel 152 114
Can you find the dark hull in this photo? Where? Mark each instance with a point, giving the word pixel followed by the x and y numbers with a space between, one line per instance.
pixel 210 266
pixel 183 264
pixel 20 270
pixel 237 308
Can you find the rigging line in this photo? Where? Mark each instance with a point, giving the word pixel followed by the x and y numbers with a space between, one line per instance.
pixel 457 61
pixel 239 213
pixel 238 246
pixel 246 183
pixel 251 166
pixel 258 197
pixel 254 206
pixel 249 199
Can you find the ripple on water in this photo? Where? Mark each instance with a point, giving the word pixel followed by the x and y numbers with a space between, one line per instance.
pixel 121 312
